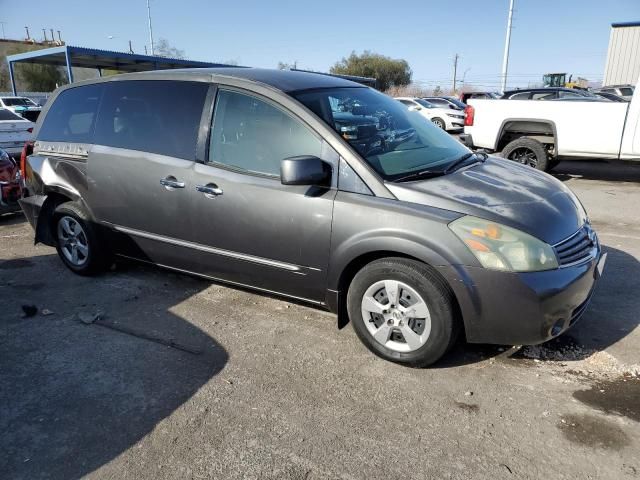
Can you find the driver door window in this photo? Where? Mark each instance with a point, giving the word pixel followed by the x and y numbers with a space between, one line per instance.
pixel 252 135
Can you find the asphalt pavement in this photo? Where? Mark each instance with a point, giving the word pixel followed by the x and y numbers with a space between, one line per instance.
pixel 142 373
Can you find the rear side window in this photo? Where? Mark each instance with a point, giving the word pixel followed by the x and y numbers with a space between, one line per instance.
pixel 72 116
pixel 155 116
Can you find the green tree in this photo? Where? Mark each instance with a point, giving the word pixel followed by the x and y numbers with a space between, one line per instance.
pixel 387 71
pixel 41 78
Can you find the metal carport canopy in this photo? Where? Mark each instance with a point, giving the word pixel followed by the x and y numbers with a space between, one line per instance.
pixel 69 56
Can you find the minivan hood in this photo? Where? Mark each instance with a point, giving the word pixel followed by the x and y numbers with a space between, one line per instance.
pixel 505 192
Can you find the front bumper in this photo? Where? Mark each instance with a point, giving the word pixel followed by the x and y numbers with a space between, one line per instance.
pixel 521 308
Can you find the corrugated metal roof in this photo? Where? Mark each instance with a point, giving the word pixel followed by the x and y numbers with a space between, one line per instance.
pixel 625 24
pixel 96 58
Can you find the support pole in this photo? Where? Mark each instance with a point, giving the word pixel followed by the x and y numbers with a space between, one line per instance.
pixel 455 72
pixel 507 43
pixel 150 29
pixel 68 61
pixel 12 78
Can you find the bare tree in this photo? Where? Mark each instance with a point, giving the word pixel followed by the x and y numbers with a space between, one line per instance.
pixel 163 49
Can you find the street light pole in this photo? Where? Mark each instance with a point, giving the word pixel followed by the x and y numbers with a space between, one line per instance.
pixel 150 29
pixel 507 42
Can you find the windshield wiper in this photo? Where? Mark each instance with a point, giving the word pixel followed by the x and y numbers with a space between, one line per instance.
pixel 419 175
pixel 462 161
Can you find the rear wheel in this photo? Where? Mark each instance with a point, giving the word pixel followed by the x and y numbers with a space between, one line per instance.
pixel 527 151
pixel 402 311
pixel 77 242
pixel 438 122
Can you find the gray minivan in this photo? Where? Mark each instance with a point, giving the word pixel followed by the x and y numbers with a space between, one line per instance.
pixel 315 188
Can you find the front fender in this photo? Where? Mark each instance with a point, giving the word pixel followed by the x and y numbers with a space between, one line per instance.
pixel 363 225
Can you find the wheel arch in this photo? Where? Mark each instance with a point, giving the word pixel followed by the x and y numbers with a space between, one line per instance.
pixel 430 259
pixel 56 195
pixel 512 128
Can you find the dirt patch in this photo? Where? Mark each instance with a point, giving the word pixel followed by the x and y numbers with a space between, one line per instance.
pixel 586 360
pixel 620 397
pixel 591 431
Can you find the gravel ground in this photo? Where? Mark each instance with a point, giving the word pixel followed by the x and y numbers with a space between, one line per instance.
pixel 181 378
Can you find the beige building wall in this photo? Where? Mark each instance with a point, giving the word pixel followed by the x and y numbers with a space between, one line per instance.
pixel 623 57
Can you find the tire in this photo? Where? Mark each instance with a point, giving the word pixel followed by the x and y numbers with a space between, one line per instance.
pixel 77 242
pixel 440 123
pixel 416 284
pixel 528 152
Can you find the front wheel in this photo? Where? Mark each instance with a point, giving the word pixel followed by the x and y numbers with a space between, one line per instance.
pixel 438 122
pixel 402 311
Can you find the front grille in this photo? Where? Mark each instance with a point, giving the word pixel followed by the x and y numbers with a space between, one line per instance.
pixel 577 248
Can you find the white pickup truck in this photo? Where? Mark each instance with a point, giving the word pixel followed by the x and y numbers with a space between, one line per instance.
pixel 540 133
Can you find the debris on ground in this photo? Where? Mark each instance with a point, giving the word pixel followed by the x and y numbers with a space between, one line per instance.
pixel 89 318
pixel 29 311
pixel 468 394
pixel 46 312
pixel 581 358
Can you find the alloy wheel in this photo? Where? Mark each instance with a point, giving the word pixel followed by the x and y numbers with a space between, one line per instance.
pixel 73 241
pixel 525 156
pixel 396 316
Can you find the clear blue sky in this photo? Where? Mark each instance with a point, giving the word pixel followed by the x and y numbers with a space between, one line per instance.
pixel 548 35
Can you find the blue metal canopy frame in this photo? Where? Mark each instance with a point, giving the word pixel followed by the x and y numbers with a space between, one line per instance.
pixel 69 57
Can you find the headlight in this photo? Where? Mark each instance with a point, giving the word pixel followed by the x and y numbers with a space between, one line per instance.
pixel 499 247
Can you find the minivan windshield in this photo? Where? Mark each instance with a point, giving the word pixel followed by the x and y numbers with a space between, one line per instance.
pixel 393 140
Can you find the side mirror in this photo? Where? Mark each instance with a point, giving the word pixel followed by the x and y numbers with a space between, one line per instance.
pixel 305 170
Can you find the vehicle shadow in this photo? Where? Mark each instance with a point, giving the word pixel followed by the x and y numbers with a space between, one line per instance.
pixel 74 396
pixel 611 316
pixel 597 170
pixel 12 218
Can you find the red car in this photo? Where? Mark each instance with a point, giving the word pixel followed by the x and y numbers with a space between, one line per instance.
pixel 10 184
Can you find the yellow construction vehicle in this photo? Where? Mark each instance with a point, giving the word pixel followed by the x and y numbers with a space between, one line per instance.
pixel 559 80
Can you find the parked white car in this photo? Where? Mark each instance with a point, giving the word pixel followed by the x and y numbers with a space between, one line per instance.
pixel 22 106
pixel 541 134
pixel 444 118
pixel 15 131
pixel 624 91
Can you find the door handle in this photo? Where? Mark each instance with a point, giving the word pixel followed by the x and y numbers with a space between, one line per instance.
pixel 170 183
pixel 210 190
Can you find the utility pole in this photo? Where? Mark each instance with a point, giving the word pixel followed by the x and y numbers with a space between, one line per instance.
pixel 150 30
pixel 507 42
pixel 455 71
pixel 3 24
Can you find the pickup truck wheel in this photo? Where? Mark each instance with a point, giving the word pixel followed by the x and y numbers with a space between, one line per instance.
pixel 438 122
pixel 528 152
pixel 77 242
pixel 403 311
